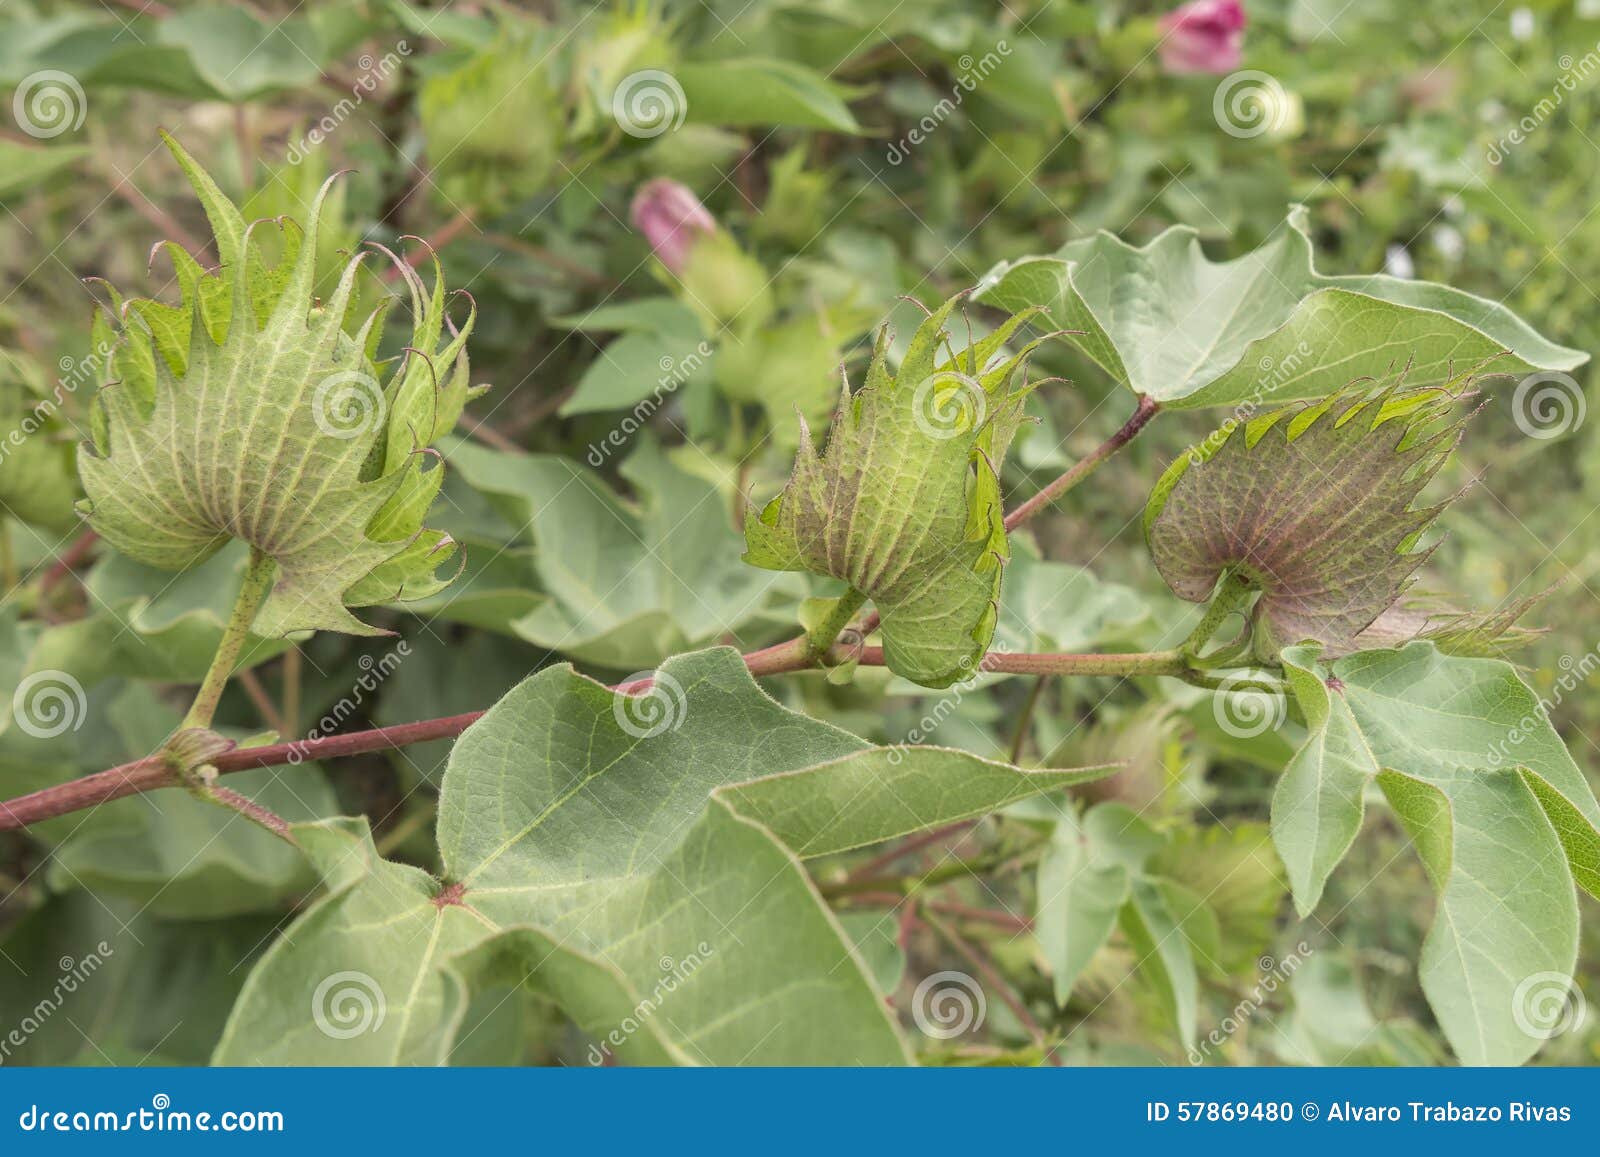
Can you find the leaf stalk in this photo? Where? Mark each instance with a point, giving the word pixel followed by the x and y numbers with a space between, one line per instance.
pixel 257 583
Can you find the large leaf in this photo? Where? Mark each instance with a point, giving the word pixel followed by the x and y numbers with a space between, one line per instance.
pixel 1169 323
pixel 622 855
pixel 1502 817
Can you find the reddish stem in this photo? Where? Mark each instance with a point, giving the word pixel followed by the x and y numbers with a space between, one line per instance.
pixel 792 655
pixel 68 559
pixel 1147 409
pixel 873 866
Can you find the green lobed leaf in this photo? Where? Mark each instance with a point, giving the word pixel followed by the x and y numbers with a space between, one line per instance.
pixel 1171 324
pixel 596 846
pixel 1502 818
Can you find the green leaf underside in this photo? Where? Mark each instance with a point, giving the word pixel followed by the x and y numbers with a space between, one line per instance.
pixel 904 505
pixel 1084 880
pixel 248 412
pixel 630 583
pixel 1313 504
pixel 1188 332
pixel 1502 818
pixel 594 866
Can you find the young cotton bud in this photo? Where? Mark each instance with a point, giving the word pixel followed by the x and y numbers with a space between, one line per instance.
pixel 672 220
pixel 719 280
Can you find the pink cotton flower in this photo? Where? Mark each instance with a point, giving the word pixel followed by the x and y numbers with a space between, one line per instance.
pixel 1203 36
pixel 672 219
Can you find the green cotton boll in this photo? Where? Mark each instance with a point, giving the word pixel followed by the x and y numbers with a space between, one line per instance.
pixel 251 412
pixel 725 285
pixel 494 128
pixel 904 502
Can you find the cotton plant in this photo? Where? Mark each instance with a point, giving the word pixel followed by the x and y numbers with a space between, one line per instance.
pixel 583 823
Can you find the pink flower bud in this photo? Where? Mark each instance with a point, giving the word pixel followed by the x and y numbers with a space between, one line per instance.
pixel 1203 36
pixel 672 219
